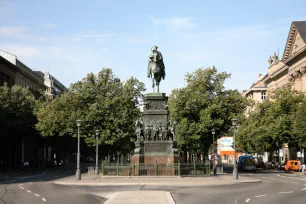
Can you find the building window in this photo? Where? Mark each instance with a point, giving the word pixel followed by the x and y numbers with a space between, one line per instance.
pixel 263 96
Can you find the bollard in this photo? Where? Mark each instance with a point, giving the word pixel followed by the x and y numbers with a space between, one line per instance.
pixel 117 168
pixel 156 169
pixel 102 168
pixel 133 169
pixel 194 168
pixel 179 168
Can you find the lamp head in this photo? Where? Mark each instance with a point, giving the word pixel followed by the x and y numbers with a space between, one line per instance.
pixel 235 122
pixel 79 122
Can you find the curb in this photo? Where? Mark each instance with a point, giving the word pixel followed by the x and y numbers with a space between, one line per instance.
pixel 151 184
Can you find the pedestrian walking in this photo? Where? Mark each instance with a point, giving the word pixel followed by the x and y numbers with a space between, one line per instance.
pixel 303 169
pixel 215 164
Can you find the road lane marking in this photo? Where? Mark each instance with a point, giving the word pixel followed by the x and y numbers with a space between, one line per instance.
pixel 285 192
pixel 260 196
pixel 37 195
pixel 44 199
pixel 294 182
pixel 273 178
pixel 20 184
pixel 303 189
pixel 247 200
pixel 21 187
pixel 29 182
pixel 29 191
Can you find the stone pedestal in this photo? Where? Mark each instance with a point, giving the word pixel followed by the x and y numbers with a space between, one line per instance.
pixel 155 109
pixel 153 152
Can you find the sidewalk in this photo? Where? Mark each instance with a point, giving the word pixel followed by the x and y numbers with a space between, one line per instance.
pixel 148 197
pixel 93 180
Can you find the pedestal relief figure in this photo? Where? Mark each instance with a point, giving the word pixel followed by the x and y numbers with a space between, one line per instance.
pixel 171 128
pixel 138 131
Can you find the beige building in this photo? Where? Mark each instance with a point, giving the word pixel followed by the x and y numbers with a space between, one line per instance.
pixel 13 71
pixel 291 68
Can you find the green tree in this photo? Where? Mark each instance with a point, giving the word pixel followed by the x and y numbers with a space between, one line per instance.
pixel 272 123
pixel 102 102
pixel 300 125
pixel 204 104
pixel 17 120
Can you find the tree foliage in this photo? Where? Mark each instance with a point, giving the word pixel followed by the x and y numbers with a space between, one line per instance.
pixel 103 102
pixel 274 122
pixel 204 104
pixel 16 114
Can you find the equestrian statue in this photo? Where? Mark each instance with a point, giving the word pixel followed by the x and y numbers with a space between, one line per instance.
pixel 156 68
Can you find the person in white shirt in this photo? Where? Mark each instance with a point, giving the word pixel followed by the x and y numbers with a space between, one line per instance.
pixel 303 169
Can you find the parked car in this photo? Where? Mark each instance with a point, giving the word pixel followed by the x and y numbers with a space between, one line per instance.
pixel 292 165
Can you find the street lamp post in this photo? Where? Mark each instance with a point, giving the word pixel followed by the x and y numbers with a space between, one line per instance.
pixel 78 172
pixel 213 131
pixel 97 154
pixel 235 170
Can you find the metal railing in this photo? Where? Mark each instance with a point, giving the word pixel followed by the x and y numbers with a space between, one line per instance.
pixel 174 169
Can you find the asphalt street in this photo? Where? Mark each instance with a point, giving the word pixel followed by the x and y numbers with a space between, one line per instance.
pixel 274 188
pixel 38 187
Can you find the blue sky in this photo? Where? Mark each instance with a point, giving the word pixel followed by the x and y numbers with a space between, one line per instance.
pixel 74 37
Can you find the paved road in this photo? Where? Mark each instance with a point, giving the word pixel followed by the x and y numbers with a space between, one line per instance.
pixel 38 187
pixel 274 188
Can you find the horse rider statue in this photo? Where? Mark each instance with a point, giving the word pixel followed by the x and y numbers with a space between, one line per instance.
pixel 156 68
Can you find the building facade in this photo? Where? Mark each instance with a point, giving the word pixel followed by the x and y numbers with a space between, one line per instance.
pixel 32 148
pixel 291 68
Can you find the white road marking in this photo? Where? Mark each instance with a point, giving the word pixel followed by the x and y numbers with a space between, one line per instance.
pixel 285 192
pixel 260 196
pixel 21 187
pixel 30 182
pixel 29 191
pixel 20 184
pixel 37 195
pixel 44 199
pixel 294 182
pixel 303 189
pixel 273 178
pixel 247 200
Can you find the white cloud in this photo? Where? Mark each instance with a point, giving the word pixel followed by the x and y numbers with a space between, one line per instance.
pixel 138 41
pixel 7 6
pixel 97 37
pixel 176 23
pixel 49 25
pixel 21 50
pixel 12 31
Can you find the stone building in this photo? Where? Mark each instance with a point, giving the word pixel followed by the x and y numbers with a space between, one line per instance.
pixel 30 147
pixel 13 71
pixel 290 68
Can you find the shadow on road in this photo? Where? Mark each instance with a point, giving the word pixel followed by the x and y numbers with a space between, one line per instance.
pixel 41 174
